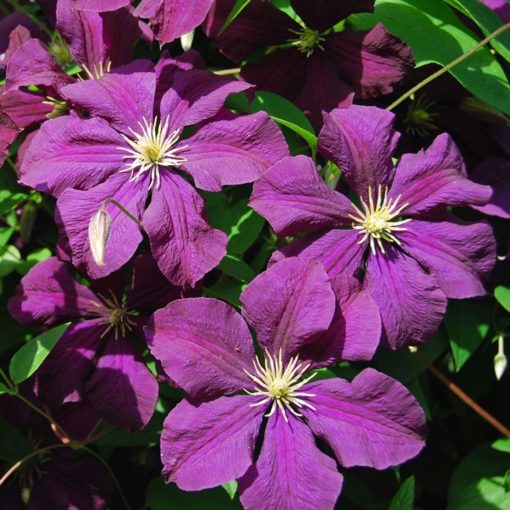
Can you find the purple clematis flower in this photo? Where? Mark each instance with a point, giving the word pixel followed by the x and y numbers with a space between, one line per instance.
pixel 411 253
pixel 130 149
pixel 96 359
pixel 495 172
pixel 210 438
pixel 313 66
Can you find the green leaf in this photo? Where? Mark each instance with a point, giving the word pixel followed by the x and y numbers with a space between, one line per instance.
pixel 468 323
pixel 487 20
pixel 33 258
pixel 245 231
pixel 226 290
pixel 231 488
pixel 502 295
pixel 29 358
pixel 13 444
pixel 478 481
pixel 167 497
pixel 237 268
pixel 5 235
pixel 404 498
pixel 436 35
pixel 3 389
pixel 239 6
pixel 10 257
pixel 507 481
pixel 9 200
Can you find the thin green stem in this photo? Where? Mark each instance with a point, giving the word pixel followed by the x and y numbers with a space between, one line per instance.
pixel 7 380
pixel 111 473
pixel 452 64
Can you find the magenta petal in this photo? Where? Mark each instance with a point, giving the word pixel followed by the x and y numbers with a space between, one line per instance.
pixel 372 62
pixel 292 196
pixel 100 5
pixel 405 294
pixel 23 108
pixel 361 141
pixel 459 254
pixel 233 151
pixel 372 421
pixel 173 18
pixel 122 389
pixel 289 305
pixel 208 444
pixel 70 152
pixel 76 208
pixel 49 294
pixel 8 133
pixel 17 36
pixel 182 242
pixel 122 99
pixel 337 250
pixel 355 331
pixel 436 177
pixel 291 472
pixel 197 95
pixel 204 345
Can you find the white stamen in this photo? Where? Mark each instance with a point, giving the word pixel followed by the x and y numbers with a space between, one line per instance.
pixel 150 149
pixel 376 221
pixel 280 384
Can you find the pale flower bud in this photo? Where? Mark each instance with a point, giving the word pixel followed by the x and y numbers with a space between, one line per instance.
pixel 500 361
pixel 99 232
pixel 187 40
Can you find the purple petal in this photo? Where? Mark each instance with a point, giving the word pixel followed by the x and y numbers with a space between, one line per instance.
pixel 70 152
pixel 361 141
pixel 373 421
pixel 8 133
pixel 289 305
pixel 31 64
pixel 49 294
pixel 197 95
pixel 323 14
pixel 122 99
pixel 500 7
pixel 459 254
pixel 100 5
pixel 11 28
pixel 495 172
pixel 292 196
pixel 405 294
pixel 372 62
pixel 182 242
pixel 208 444
pixel 355 331
pixel 291 472
pixel 204 345
pixel 337 250
pixel 259 25
pixel 17 37
pixel 76 208
pixel 122 389
pixel 24 108
pixel 436 177
pixel 65 371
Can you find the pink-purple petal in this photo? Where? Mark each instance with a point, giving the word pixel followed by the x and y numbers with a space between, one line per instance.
pixel 210 443
pixel 289 305
pixel 292 196
pixel 23 108
pixel 233 151
pixel 373 421
pixel 182 242
pixel 406 295
pixel 8 133
pixel 203 345
pixel 100 5
pixel 291 472
pixel 361 141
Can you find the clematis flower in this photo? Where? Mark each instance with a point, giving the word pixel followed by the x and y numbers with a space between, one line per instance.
pixel 398 235
pixel 235 397
pixel 97 358
pixel 131 148
pixel 307 62
pixel 495 172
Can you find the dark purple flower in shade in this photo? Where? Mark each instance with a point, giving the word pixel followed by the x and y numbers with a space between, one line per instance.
pixel 131 149
pixel 314 67
pixel 399 236
pixel 210 438
pixel 97 359
pixel 495 172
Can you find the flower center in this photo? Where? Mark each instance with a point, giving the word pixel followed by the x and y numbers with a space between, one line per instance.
pixel 150 149
pixel 307 40
pixel 97 71
pixel 420 117
pixel 280 384
pixel 378 220
pixel 116 317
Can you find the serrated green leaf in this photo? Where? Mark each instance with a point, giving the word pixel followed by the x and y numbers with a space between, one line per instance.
pixel 502 295
pixel 239 6
pixel 404 498
pixel 437 35
pixel 29 358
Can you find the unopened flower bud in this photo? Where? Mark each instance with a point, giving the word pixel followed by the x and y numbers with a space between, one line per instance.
pixel 500 363
pixel 187 40
pixel 99 232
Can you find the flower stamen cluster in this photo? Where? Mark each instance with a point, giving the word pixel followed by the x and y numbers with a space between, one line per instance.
pixel 377 220
pixel 152 148
pixel 97 71
pixel 420 117
pixel 280 384
pixel 307 40
pixel 117 316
